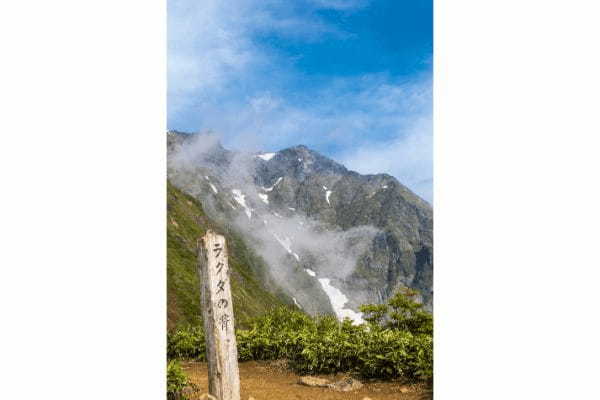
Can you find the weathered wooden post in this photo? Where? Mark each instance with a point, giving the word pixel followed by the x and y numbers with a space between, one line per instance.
pixel 217 313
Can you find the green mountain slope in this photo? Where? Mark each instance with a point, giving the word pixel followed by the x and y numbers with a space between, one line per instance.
pixel 253 290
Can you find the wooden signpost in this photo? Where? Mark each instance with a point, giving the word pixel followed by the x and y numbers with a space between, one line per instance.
pixel 217 313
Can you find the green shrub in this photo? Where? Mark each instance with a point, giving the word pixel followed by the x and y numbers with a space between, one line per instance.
pixel 408 315
pixel 273 336
pixel 396 342
pixel 374 313
pixel 187 343
pixel 176 381
pixel 421 360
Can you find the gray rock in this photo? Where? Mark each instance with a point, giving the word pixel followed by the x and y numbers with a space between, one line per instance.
pixel 346 385
pixel 313 381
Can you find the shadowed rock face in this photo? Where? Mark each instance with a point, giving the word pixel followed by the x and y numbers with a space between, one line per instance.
pixel 367 234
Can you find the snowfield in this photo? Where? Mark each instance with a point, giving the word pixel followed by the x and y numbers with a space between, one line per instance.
pixel 214 189
pixel 266 156
pixel 327 194
pixel 240 198
pixel 338 301
pixel 287 245
pixel 264 198
pixel 272 187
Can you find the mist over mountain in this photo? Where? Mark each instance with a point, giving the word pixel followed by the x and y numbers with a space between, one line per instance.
pixel 332 238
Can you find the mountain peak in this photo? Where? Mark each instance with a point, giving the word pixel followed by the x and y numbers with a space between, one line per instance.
pixel 300 162
pixel 300 148
pixel 306 214
pixel 301 151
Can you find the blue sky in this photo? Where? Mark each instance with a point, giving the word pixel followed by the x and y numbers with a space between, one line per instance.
pixel 350 78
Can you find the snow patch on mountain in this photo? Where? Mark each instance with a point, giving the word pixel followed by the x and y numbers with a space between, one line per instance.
pixel 264 198
pixel 240 198
pixel 310 272
pixel 214 189
pixel 266 156
pixel 286 242
pixel 338 301
pixel 268 189
pixel 327 194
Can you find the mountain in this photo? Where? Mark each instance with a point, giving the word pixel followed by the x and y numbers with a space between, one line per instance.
pixel 332 238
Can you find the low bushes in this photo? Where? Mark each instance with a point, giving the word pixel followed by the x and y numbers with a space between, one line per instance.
pixel 176 381
pixel 396 342
pixel 186 343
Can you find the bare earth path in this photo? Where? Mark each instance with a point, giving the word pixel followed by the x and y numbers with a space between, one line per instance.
pixel 268 381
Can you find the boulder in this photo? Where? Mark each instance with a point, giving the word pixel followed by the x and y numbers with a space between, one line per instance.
pixel 313 381
pixel 346 385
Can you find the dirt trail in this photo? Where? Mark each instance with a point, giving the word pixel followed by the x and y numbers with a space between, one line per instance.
pixel 269 381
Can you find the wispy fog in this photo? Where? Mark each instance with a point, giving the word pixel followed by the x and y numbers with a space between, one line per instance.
pixel 297 249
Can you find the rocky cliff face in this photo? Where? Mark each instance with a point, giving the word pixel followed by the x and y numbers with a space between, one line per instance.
pixel 333 238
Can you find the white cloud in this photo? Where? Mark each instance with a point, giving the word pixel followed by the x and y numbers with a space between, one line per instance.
pixel 208 47
pixel 408 157
pixel 217 71
pixel 211 47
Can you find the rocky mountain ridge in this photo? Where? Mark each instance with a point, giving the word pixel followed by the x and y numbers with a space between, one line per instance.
pixel 333 238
